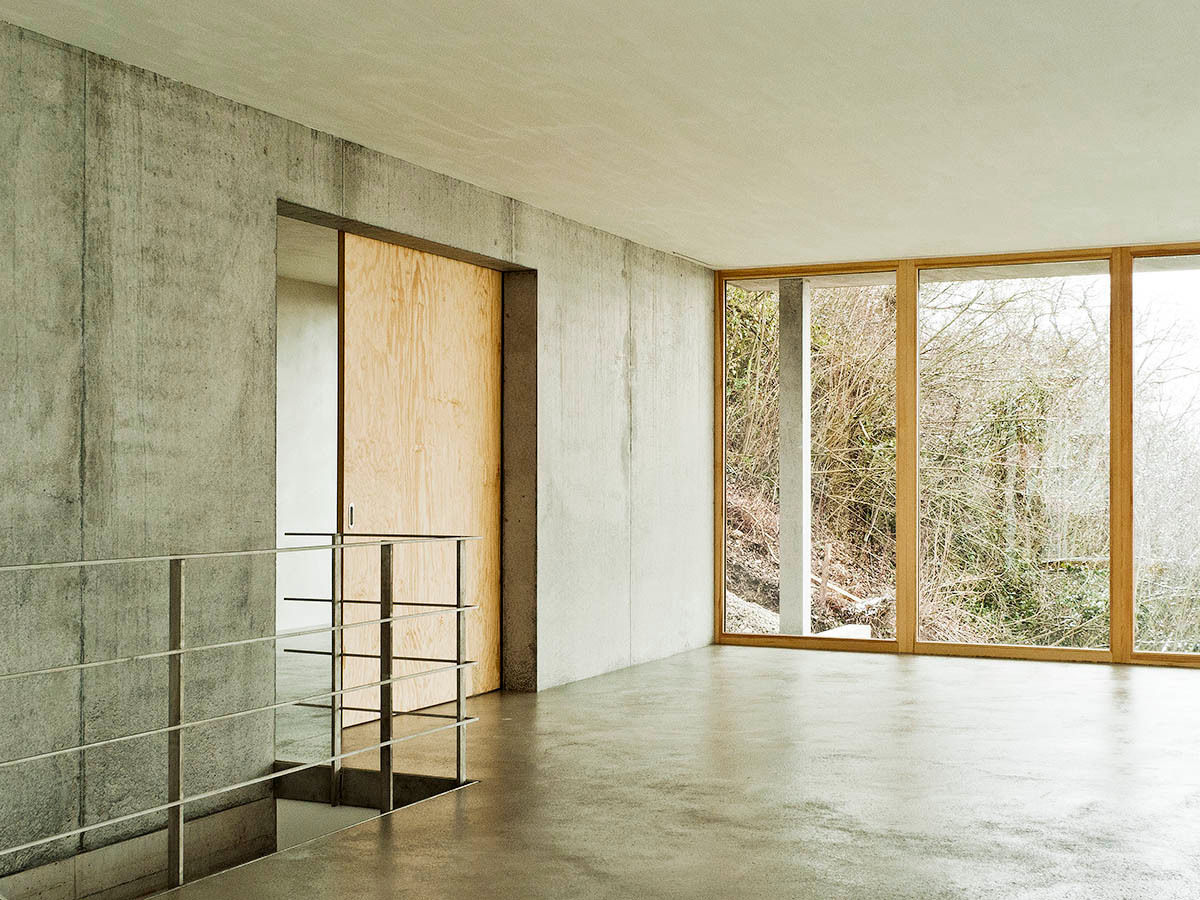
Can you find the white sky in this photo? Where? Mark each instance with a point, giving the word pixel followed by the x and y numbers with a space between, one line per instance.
pixel 1166 307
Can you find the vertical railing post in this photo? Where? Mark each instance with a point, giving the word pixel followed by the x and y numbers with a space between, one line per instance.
pixel 175 719
pixel 386 799
pixel 460 732
pixel 335 674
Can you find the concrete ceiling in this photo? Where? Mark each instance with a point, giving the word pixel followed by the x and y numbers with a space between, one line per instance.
pixel 306 252
pixel 733 133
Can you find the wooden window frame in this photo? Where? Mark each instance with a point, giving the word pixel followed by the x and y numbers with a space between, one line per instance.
pixel 907 271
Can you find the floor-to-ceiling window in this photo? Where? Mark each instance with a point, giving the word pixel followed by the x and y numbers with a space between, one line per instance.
pixel 968 455
pixel 1013 454
pixel 810 451
pixel 1166 453
pixel 751 477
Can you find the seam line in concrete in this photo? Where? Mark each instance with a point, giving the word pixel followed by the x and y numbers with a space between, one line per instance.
pixel 83 249
pixel 629 478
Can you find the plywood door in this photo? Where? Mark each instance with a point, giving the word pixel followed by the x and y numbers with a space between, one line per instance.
pixel 420 453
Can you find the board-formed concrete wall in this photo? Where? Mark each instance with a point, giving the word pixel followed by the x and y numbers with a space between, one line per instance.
pixel 137 353
pixel 41 369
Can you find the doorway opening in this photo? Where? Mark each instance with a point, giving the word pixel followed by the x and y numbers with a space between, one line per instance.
pixel 388 379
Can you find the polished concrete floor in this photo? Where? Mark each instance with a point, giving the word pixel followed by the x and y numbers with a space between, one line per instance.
pixel 745 772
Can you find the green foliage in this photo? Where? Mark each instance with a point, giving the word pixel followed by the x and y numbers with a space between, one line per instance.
pixel 752 390
pixel 1013 459
pixel 1013 502
pixel 853 430
pixel 1013 463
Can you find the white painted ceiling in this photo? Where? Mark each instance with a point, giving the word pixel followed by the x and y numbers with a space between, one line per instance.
pixel 731 132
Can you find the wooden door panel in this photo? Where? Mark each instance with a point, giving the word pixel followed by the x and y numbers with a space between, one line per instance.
pixel 420 453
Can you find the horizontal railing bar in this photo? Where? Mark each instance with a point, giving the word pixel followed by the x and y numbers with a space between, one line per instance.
pixel 415 603
pixel 235 787
pixel 324 600
pixel 219 554
pixel 327 600
pixel 367 602
pixel 283 635
pixel 375 709
pixel 399 603
pixel 344 602
pixel 381 534
pixel 343 708
pixel 167 729
pixel 437 659
pixel 426 715
pixel 329 706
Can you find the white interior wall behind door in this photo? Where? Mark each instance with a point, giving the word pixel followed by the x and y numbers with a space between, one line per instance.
pixel 305 449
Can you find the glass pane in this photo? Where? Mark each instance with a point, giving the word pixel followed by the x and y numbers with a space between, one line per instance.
pixel 852 454
pixel 1166 454
pixel 752 458
pixel 811 456
pixel 1013 455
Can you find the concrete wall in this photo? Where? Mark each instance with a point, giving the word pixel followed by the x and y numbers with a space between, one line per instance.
pixel 670 441
pixel 519 483
pixel 306 429
pixel 624 475
pixel 138 866
pixel 41 367
pixel 137 296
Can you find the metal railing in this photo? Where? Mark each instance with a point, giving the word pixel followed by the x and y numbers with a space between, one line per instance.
pixel 176 726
